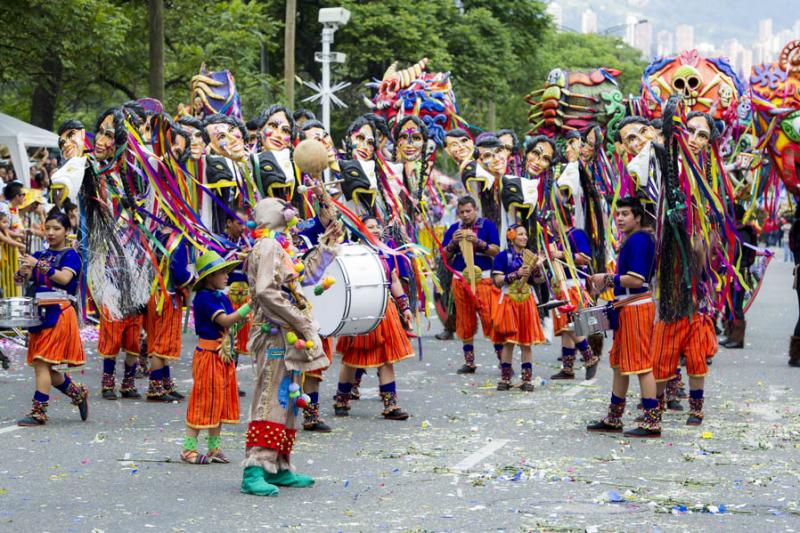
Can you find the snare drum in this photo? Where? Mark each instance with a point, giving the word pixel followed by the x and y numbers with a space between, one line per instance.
pixel 19 313
pixel 591 320
pixel 356 303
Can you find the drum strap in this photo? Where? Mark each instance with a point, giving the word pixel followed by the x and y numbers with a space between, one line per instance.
pixel 631 300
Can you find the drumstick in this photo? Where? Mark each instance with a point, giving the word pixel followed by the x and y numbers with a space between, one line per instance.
pixel 581 272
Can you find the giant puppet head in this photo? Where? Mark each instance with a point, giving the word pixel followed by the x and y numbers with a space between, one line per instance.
pixel 776 108
pixel 214 92
pixel 226 136
pixel 571 100
pixel 709 85
pixel 412 91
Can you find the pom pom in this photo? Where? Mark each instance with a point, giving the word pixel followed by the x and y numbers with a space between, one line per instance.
pixel 266 328
pixel 302 401
pixel 251 224
pixel 294 387
pixel 291 337
pixel 327 282
pixel 300 344
pixel 309 345
pixel 289 213
pixel 294 394
pixel 273 331
pixel 299 267
pixel 318 290
pixel 292 222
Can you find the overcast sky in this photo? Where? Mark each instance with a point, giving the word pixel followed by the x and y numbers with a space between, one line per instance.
pixel 714 20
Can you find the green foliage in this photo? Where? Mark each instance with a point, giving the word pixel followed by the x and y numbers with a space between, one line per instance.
pixel 496 50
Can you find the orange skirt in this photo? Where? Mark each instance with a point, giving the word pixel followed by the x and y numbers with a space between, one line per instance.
pixel 214 399
pixel 386 344
pixel 327 347
pixel 467 312
pixel 574 295
pixel 61 344
pixel 164 330
pixel 116 335
pixel 517 322
pixel 630 351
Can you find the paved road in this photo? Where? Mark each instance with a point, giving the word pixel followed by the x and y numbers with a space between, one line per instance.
pixel 470 458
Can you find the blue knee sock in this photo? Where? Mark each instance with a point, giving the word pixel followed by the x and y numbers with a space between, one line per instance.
pixel 498 347
pixel 582 345
pixel 345 388
pixel 567 352
pixel 360 372
pixel 314 397
pixel 156 375
pixel 108 365
pixel 527 366
pixel 130 370
pixel 388 387
pixel 40 396
pixel 616 400
pixel 64 386
pixel 468 347
pixel 696 394
pixel 649 403
pixel 165 372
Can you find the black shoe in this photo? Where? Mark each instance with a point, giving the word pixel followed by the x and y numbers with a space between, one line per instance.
pixel 319 426
pixel 355 393
pixel 163 398
pixel 109 394
pixel 131 394
pixel 175 394
pixel 4 361
pixel 83 407
pixel 29 420
pixel 794 363
pixel 642 433
pixel 674 405
pixel 601 425
pixel 733 345
pixel 563 375
pixel 467 369
pixel 709 360
pixel 395 414
pixel 591 371
pixel 694 420
pixel 526 386
pixel 503 385
pixel 341 410
pixel 444 336
pixel 242 393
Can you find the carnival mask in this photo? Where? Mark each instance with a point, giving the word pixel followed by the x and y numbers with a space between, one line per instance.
pixel 226 140
pixel 634 137
pixel 363 142
pixel 459 148
pixel 71 143
pixel 178 147
pixel 197 144
pixel 277 132
pixel 104 140
pixel 587 150
pixel 319 134
pixel 725 95
pixel 409 142
pixel 699 135
pixel 539 159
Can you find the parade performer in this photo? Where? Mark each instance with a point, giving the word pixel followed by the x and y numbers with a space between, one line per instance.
pixel 744 259
pixel 55 273
pixel 361 189
pixel 115 335
pixel 163 317
pixel 214 399
pixel 285 342
pixel 470 245
pixel 516 320
pixel 382 347
pixel 630 351
pixel 238 288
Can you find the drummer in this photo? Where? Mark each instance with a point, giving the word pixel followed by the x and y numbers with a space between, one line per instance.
pixel 383 347
pixel 55 272
pixel 483 235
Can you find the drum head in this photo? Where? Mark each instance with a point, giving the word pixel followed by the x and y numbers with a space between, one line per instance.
pixel 331 306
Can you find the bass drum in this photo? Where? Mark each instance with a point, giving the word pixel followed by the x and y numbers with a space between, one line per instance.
pixel 356 303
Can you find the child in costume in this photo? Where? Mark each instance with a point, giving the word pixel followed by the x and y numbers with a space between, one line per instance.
pixel 214 399
pixel 381 348
pixel 116 335
pixel 55 272
pixel 516 319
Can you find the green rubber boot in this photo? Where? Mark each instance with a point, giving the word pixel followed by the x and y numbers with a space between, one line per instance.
pixel 287 478
pixel 253 482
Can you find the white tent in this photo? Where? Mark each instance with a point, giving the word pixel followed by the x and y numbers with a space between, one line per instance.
pixel 18 135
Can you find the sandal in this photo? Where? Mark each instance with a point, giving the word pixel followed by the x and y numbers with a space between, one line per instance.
pixel 193 457
pixel 216 456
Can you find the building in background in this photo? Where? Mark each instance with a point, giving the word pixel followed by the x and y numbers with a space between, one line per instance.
pixel 684 38
pixel 554 10
pixel 665 44
pixel 643 38
pixel 588 21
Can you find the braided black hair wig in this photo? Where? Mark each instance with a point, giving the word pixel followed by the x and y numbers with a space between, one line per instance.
pixel 674 255
pixel 192 122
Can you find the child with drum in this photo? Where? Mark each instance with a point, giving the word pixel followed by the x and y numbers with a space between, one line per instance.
pixel 381 348
pixel 214 399
pixel 55 272
pixel 516 320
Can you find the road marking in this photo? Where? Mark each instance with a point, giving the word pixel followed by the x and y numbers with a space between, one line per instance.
pixel 582 386
pixel 471 460
pixel 9 429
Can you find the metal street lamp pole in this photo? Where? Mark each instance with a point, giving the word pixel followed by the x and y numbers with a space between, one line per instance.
pixel 327 40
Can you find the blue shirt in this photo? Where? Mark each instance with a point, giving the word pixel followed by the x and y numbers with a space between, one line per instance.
pixel 206 306
pixel 67 259
pixel 579 244
pixel 636 258
pixel 486 231
pixel 508 261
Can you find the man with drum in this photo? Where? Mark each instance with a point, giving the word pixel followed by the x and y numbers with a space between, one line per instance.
pixel 470 245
